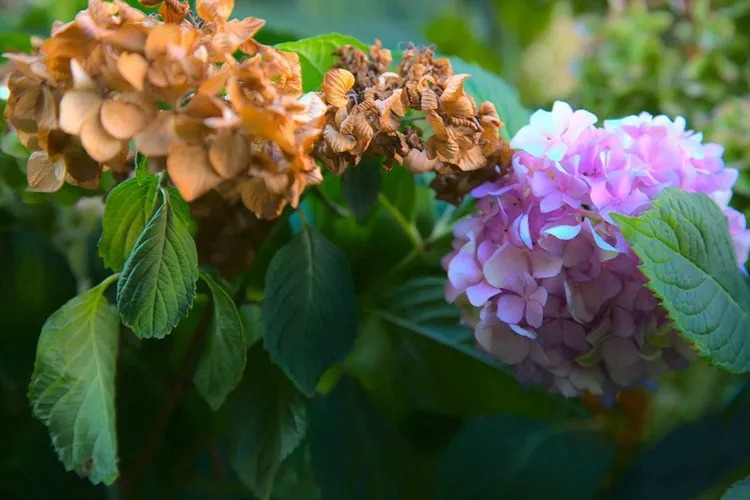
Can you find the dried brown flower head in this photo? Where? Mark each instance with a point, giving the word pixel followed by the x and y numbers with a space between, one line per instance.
pixel 370 107
pixel 176 89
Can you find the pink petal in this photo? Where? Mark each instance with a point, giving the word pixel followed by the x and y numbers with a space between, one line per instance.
pixel 535 312
pixel 544 265
pixel 551 202
pixel 480 293
pixel 506 261
pixel 510 308
pixel 563 232
pixel 463 271
pixel 523 332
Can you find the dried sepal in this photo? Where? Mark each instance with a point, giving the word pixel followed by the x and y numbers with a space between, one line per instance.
pixel 214 10
pixel 228 153
pixel 76 107
pixel 133 68
pixel 97 142
pixel 260 201
pixel 43 174
pixel 190 170
pixel 121 119
pixel 336 83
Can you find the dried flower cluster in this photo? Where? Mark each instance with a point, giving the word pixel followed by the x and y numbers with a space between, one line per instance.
pixel 544 274
pixel 367 116
pixel 174 89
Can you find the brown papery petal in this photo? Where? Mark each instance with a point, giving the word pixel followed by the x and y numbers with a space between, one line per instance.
pixel 315 108
pixel 81 79
pixel 157 137
pixel 454 88
pixel 76 107
pixel 99 144
pixel 417 162
pixel 472 159
pixel 190 170
pixel 131 38
pixel 337 141
pixel 214 10
pixel 82 170
pixel 44 175
pixel 460 108
pixel 122 120
pixel 159 38
pixel 277 183
pixel 173 12
pixel 336 83
pixel 268 125
pixel 46 109
pixel 260 201
pixel 228 154
pixel 133 68
pixel 437 124
pixel 428 99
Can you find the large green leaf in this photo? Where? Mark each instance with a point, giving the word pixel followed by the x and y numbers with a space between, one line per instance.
pixel 739 490
pixel 688 257
pixel 438 369
pixel 316 55
pixel 357 452
pixel 508 457
pixel 486 86
pixel 222 362
pixel 309 312
pixel 267 422
pixel 129 207
pixel 73 386
pixel 360 186
pixel 157 286
pixel 692 459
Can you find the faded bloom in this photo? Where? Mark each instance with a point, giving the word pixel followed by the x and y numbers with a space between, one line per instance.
pixel 200 97
pixel 544 275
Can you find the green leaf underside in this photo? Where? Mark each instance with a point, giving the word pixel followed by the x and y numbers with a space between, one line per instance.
pixel 316 55
pixel 268 421
pixel 72 389
pixel 357 452
pixel 309 313
pixel 508 457
pixel 688 257
pixel 128 209
pixel 157 286
pixel 486 86
pixel 360 186
pixel 222 361
pixel 739 490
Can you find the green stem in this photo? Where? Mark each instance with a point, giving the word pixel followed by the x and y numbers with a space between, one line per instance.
pixel 409 230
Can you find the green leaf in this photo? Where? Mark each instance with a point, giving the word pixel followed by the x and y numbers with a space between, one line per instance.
pixel 316 55
pixel 222 362
pixel 73 386
pixel 357 452
pixel 128 208
pixel 157 286
pixel 361 186
pixel 508 457
pixel 251 325
pixel 739 490
pixel 11 146
pixel 486 86
pixel 437 367
pixel 688 257
pixel 309 313
pixel 267 422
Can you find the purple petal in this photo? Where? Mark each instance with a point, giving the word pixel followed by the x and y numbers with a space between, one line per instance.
pixel 506 261
pixel 564 232
pixel 510 308
pixel 544 265
pixel 480 293
pixel 535 312
pixel 463 271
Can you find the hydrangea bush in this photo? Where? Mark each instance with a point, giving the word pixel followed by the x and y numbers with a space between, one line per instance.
pixel 542 272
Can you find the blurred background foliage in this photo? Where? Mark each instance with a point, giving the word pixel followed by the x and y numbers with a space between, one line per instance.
pixel 687 439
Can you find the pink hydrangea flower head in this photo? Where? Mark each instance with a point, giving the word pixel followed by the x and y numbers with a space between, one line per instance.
pixel 542 272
